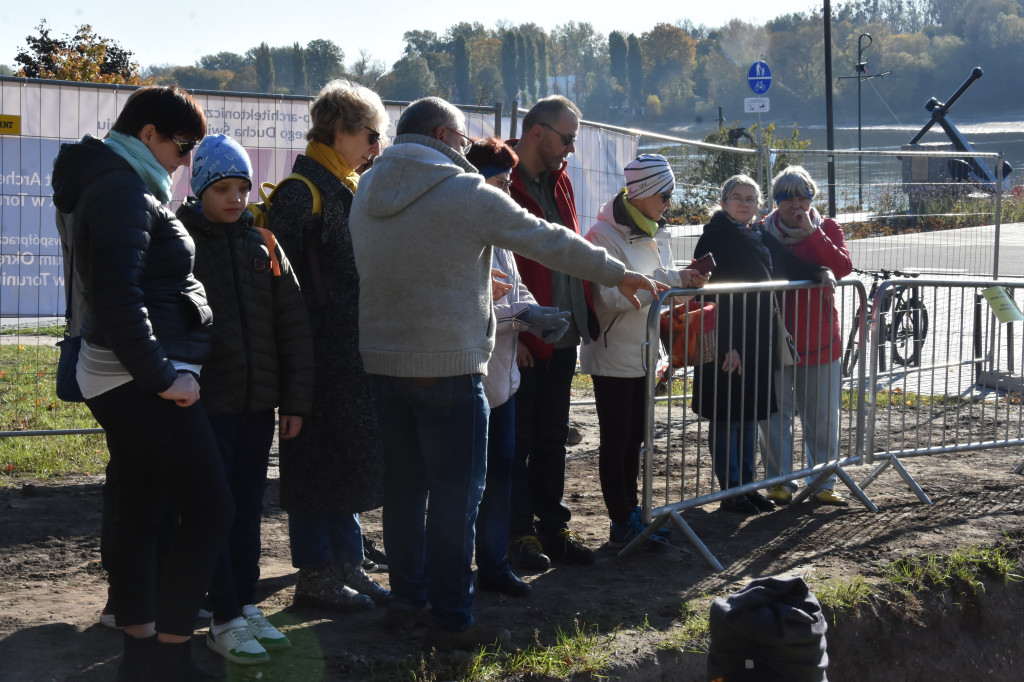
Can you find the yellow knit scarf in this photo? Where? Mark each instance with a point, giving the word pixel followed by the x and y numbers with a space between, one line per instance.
pixel 334 162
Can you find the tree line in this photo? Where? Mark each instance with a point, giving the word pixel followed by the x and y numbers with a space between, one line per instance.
pixel 669 74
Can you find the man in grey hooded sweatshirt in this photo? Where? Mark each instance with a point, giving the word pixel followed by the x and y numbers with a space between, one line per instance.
pixel 423 224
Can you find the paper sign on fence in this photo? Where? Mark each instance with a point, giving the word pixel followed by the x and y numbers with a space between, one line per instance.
pixel 1003 305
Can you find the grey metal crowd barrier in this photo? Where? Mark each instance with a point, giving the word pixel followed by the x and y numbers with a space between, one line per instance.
pixel 925 369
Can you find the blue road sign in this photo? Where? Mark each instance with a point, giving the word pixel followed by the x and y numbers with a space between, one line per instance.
pixel 759 78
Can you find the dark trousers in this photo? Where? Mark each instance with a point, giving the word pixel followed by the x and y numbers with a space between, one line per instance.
pixel 244 442
pixel 542 425
pixel 492 520
pixel 620 416
pixel 163 454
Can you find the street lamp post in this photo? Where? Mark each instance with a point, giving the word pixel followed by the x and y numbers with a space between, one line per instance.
pixel 861 68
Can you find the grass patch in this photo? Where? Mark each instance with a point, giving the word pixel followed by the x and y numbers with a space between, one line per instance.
pixel 57 331
pixel 579 650
pixel 28 402
pixel 692 635
pixel 843 595
pixel 964 569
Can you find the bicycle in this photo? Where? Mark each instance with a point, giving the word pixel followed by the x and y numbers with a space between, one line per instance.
pixel 905 335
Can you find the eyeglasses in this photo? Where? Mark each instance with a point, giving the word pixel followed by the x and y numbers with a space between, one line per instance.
pixel 467 138
pixel 666 197
pixel 566 139
pixel 505 184
pixel 374 136
pixel 184 146
pixel 741 199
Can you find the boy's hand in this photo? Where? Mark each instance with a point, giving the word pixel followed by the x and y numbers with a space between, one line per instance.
pixel 290 425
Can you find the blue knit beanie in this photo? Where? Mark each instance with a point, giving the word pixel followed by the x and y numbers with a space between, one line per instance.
pixel 218 157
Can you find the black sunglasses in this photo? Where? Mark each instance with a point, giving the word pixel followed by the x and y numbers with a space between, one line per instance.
pixel 184 146
pixel 566 139
pixel 666 197
pixel 374 136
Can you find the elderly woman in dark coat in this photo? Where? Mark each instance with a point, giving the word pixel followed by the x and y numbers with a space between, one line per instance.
pixel 735 390
pixel 332 470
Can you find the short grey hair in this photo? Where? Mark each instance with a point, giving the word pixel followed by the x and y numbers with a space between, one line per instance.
pixel 741 181
pixel 425 115
pixel 548 110
pixel 343 106
pixel 793 181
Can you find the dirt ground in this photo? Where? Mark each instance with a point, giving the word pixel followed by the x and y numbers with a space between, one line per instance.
pixel 51 586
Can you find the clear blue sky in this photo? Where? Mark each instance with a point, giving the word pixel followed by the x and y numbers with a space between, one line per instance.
pixel 181 32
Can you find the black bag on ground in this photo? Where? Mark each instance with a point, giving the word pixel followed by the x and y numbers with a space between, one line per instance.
pixel 771 630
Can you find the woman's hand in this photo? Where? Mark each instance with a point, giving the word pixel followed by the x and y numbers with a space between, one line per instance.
pixel 184 391
pixel 498 289
pixel 524 358
pixel 732 362
pixel 693 279
pixel 827 278
pixel 289 426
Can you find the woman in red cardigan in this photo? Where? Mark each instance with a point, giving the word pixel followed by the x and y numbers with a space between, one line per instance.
pixel 812 388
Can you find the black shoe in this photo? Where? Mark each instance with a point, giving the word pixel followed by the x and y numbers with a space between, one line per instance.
pixel 527 553
pixel 373 554
pixel 761 502
pixel 738 505
pixel 506 583
pixel 568 546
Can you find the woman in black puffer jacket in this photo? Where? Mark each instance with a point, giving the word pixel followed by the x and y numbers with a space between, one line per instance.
pixel 146 332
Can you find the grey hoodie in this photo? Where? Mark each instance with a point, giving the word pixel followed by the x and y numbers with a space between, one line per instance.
pixel 423 223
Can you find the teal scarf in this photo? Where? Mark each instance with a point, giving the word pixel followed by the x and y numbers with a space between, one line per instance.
pixel 142 161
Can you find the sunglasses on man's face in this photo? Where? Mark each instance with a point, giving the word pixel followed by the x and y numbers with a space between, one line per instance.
pixel 184 146
pixel 566 139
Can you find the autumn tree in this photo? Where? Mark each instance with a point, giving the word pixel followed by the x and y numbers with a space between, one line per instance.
pixel 461 63
pixel 324 61
pixel 84 57
pixel 635 66
pixel 366 70
pixel 509 66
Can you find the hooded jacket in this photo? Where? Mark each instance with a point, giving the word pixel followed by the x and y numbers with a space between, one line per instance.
pixel 423 226
pixel 134 261
pixel 618 351
pixel 262 345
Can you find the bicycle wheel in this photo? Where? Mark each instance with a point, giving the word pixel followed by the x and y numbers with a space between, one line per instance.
pixel 909 329
pixel 852 352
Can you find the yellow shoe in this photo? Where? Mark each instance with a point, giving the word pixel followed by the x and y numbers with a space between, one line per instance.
pixel 779 494
pixel 831 497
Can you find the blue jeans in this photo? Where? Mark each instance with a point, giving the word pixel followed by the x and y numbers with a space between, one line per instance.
pixel 732 444
pixel 320 539
pixel 492 523
pixel 813 392
pixel 434 440
pixel 244 442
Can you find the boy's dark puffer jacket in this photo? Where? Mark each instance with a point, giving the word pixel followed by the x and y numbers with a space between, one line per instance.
pixel 135 263
pixel 262 344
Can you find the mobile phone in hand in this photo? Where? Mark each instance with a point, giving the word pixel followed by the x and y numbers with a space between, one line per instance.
pixel 705 264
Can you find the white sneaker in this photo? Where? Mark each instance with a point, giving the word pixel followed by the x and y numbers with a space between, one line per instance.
pixel 236 643
pixel 263 632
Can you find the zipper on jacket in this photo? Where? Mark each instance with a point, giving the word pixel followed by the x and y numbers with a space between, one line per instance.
pixel 243 319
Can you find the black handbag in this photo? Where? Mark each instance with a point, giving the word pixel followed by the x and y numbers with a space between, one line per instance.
pixel 67 383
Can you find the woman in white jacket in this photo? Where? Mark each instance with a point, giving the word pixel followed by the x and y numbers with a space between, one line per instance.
pixel 515 311
pixel 628 227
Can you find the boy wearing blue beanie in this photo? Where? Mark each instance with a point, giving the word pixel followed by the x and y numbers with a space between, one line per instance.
pixel 261 359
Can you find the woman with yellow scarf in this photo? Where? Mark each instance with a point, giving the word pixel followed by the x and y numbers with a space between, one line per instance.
pixel 332 470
